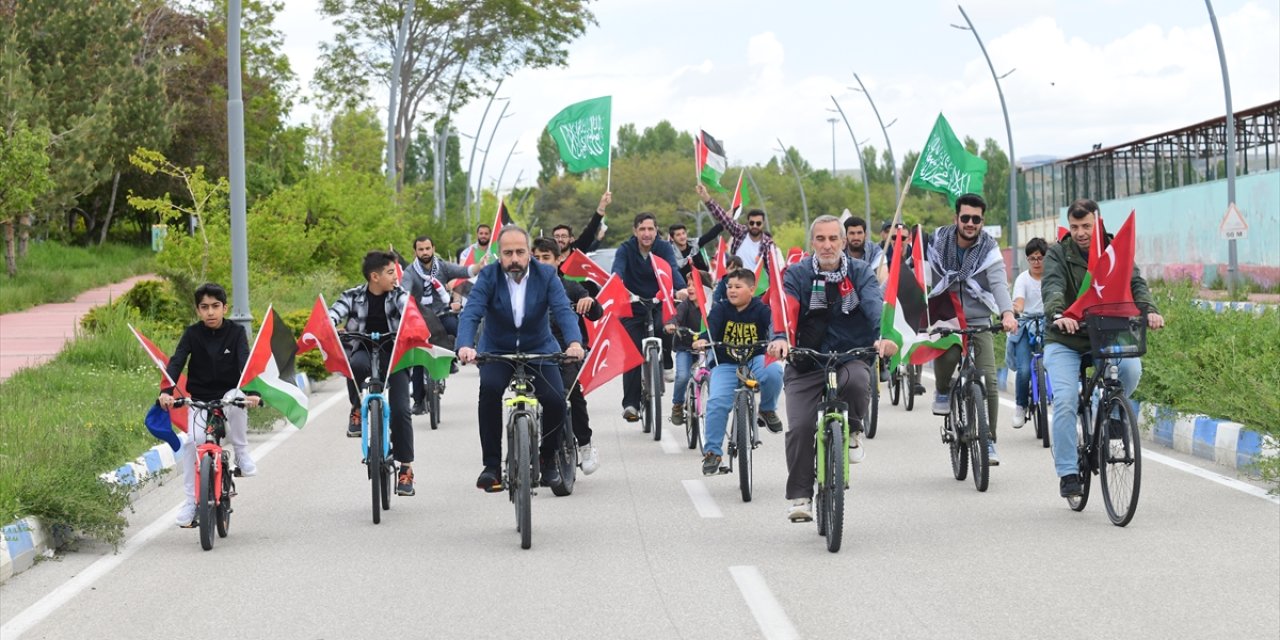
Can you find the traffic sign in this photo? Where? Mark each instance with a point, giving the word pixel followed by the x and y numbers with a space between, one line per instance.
pixel 1233 226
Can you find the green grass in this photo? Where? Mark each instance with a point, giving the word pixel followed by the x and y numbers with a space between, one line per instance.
pixel 54 272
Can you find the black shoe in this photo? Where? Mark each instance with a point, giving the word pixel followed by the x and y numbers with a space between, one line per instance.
pixel 453 366
pixel 353 425
pixel 771 421
pixel 1069 486
pixel 550 473
pixel 419 408
pixel 404 482
pixel 490 480
pixel 710 464
pixel 918 389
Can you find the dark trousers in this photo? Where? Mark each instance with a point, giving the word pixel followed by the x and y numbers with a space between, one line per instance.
pixel 667 362
pixel 805 392
pixel 548 387
pixel 419 374
pixel 397 394
pixel 577 403
pixel 635 326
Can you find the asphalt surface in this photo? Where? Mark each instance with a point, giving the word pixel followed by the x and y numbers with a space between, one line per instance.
pixel 633 554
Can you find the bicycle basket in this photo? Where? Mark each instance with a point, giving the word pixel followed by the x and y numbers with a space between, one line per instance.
pixel 1116 330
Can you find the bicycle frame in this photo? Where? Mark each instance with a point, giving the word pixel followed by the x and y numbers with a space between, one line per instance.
pixel 215 428
pixel 1035 327
pixel 373 390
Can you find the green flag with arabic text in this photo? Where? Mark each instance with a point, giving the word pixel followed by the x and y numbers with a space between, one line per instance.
pixel 946 167
pixel 582 132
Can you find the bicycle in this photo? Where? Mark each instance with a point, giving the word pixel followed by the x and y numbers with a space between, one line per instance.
pixel 435 388
pixel 904 378
pixel 1041 390
pixel 697 390
pixel 651 382
pixel 215 485
pixel 1116 456
pixel 523 468
pixel 831 454
pixel 375 441
pixel 965 429
pixel 873 402
pixel 743 429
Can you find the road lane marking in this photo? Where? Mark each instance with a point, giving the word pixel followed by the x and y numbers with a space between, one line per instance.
pixel 701 498
pixel 769 615
pixel 41 609
pixel 1192 469
pixel 671 443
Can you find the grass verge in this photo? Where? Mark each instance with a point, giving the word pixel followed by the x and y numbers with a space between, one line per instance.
pixel 54 272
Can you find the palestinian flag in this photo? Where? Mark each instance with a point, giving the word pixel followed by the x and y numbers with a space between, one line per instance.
pixel 943 312
pixel 500 220
pixel 700 296
pixel 740 198
pixel 413 347
pixel 270 372
pixel 904 306
pixel 709 154
pixel 578 267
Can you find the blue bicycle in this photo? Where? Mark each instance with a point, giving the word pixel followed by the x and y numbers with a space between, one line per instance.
pixel 375 422
pixel 1041 390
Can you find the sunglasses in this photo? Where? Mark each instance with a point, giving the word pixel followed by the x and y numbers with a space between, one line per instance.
pixel 755 224
pixel 968 219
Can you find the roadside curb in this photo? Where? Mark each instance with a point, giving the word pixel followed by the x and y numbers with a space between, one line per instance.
pixel 29 538
pixel 1222 442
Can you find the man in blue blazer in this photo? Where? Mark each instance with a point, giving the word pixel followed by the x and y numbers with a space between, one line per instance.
pixel 516 297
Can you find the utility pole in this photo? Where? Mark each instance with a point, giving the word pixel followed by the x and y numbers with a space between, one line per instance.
pixel 1233 267
pixel 240 313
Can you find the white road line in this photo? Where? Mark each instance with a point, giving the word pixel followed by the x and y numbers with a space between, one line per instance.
pixel 672 442
pixel 701 498
pixel 769 615
pixel 37 612
pixel 1192 469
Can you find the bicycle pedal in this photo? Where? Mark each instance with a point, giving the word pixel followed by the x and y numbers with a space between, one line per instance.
pixel 724 471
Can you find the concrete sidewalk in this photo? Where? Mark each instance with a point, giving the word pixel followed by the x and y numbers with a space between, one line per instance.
pixel 32 337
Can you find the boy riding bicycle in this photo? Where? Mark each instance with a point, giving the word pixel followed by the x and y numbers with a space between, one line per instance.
pixel 217 351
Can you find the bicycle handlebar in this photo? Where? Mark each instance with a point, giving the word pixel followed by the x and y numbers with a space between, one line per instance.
pixel 945 331
pixel 373 339
pixel 208 404
pixel 828 358
pixel 482 358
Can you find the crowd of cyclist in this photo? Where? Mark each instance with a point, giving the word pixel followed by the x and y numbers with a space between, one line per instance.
pixel 835 290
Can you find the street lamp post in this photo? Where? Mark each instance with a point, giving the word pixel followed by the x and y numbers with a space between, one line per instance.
pixel 498 189
pixel 476 142
pixel 897 181
pixel 804 204
pixel 484 159
pixel 866 184
pixel 1232 266
pixel 1008 129
pixel 240 312
pixel 833 122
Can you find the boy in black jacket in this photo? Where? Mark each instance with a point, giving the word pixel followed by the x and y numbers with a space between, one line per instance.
pixel 740 320
pixel 217 351
pixel 547 251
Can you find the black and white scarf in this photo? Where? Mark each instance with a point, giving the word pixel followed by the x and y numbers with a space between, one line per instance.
pixel 840 278
pixel 946 257
pixel 431 284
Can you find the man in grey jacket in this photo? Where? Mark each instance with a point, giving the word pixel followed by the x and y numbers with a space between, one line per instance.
pixel 967 262
pixel 426 280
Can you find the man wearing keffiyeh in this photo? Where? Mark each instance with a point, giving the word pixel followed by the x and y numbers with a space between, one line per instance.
pixel 967 262
pixel 424 280
pixel 839 302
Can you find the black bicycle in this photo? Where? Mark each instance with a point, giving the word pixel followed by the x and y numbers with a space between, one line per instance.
pixel 1110 443
pixel 873 400
pixel 523 470
pixel 215 484
pixel 1041 392
pixel 375 422
pixel 831 454
pixel 434 389
pixel 903 381
pixel 651 382
pixel 966 429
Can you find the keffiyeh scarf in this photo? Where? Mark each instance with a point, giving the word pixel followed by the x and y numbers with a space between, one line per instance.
pixel 840 278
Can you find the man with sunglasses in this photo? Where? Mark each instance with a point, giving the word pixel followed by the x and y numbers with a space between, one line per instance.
pixel 968 263
pixel 750 241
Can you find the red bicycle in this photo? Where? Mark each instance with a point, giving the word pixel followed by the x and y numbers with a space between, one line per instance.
pixel 215 485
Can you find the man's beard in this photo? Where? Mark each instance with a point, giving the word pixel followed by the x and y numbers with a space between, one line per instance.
pixel 756 233
pixel 517 270
pixel 856 246
pixel 426 262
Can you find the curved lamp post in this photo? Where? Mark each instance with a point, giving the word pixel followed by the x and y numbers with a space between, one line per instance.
pixel 1232 266
pixel 471 163
pixel 803 203
pixel 897 181
pixel 866 184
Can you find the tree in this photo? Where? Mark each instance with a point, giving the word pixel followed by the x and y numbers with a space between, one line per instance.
pixel 354 142
pixel 549 162
pixel 873 172
pixel 453 48
pixel 909 166
pixel 628 141
pixel 24 177
pixel 995 185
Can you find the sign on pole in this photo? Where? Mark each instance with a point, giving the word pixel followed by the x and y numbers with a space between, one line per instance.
pixel 1233 226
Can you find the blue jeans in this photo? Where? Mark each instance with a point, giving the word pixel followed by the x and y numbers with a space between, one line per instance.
pixel 1063 364
pixel 684 371
pixel 724 381
pixel 1022 361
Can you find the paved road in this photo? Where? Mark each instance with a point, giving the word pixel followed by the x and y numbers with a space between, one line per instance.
pixel 630 554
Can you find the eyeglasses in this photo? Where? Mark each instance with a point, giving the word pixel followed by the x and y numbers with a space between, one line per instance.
pixel 1035 258
pixel 968 219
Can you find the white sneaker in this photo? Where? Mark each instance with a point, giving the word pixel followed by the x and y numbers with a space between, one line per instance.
pixel 186 515
pixel 1019 417
pixel 857 448
pixel 245 463
pixel 799 510
pixel 588 459
pixel 669 375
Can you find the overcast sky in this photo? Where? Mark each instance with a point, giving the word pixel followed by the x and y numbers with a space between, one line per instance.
pixel 750 72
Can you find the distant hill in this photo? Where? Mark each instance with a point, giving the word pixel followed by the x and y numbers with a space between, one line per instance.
pixel 1026 162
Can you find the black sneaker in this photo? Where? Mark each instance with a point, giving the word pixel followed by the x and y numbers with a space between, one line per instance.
pixel 490 480
pixel 404 482
pixel 1069 486
pixel 550 473
pixel 419 408
pixel 710 464
pixel 771 421
pixel 353 425
pixel 918 389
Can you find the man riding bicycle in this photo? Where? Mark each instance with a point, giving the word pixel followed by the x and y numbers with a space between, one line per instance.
pixel 376 307
pixel 425 281
pixel 1065 268
pixel 838 303
pixel 518 299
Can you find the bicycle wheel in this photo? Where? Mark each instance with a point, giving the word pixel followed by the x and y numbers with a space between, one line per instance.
pixel 566 458
pixel 955 430
pixel 224 500
pixel 433 402
pixel 692 414
pixel 742 438
pixel 978 428
pixel 523 480
pixel 1119 460
pixel 654 411
pixel 1042 405
pixel 834 481
pixel 873 406
pixel 205 502
pixel 374 459
pixel 819 474
pixel 913 379
pixel 895 386
pixel 646 394
pixel 1085 460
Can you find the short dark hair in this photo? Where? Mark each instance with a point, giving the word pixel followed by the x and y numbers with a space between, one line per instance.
pixel 744 275
pixel 482 226
pixel 376 261
pixel 855 221
pixel 733 262
pixel 1082 208
pixel 547 244
pixel 755 212
pixel 641 217
pixel 422 239
pixel 972 200
pixel 1035 245
pixel 558 227
pixel 671 230
pixel 884 228
pixel 211 290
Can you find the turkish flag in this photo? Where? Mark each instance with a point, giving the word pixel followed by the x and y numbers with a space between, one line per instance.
pixel 614 300
pixel 700 296
pixel 718 270
pixel 612 354
pixel 662 272
pixel 796 254
pixel 577 266
pixel 1109 275
pixel 319 333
